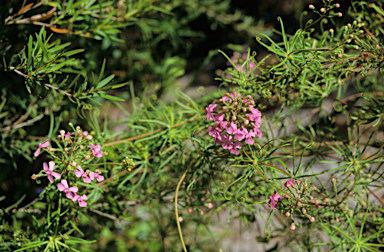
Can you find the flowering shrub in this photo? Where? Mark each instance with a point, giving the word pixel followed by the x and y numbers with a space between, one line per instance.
pixel 291 129
pixel 71 154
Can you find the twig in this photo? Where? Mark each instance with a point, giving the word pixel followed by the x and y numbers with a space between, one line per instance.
pixel 103 214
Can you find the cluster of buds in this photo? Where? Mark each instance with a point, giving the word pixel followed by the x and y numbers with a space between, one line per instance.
pixel 239 59
pixel 300 197
pixel 325 10
pixel 237 119
pixel 73 154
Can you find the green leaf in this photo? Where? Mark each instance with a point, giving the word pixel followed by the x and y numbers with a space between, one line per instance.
pixel 105 81
pixel 110 97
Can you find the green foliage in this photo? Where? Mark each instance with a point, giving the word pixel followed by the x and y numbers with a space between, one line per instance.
pixel 112 67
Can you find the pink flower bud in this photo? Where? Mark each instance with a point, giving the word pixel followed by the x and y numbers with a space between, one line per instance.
pixel 311 7
pixel 322 10
pixel 286 196
pixel 81 147
pixel 304 211
pixel 310 197
pixel 331 30
pixel 252 102
pixel 234 118
pixel 189 210
pixel 180 219
pixel 235 103
pixel 340 14
pixel 340 55
pixel 206 192
pixel 201 212
pixel 337 5
pixel 298 191
pixel 333 179
pixel 221 100
pixel 246 122
pixel 202 199
pixel 89 137
pixel 244 109
pixel 87 157
pixel 326 200
pixel 73 164
pixel 337 220
pixel 210 205
pixel 312 219
pixel 298 204
pixel 292 227
pixel 287 214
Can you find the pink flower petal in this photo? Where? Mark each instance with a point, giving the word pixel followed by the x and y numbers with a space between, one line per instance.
pixel 61 187
pixel 78 173
pixel 45 145
pixel 45 166
pixel 100 178
pixel 65 183
pixel 84 197
pixel 82 203
pixel 87 179
pixel 50 178
pixel 51 165
pixel 56 175
pixel 69 195
pixel 73 189
pixel 37 152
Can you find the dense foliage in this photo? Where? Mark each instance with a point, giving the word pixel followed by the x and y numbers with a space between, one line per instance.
pixel 108 144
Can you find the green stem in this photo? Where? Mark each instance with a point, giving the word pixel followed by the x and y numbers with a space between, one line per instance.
pixel 176 197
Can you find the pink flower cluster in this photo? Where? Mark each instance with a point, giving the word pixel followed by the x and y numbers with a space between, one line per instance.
pixel 87 176
pixel 237 120
pixel 238 60
pixel 272 199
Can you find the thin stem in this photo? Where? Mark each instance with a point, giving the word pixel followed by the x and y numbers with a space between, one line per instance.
pixel 176 197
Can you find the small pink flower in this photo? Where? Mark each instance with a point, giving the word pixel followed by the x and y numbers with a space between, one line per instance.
pixel 249 136
pixel 256 114
pixel 219 120
pixel 211 108
pixel 180 219
pixel 80 199
pixel 96 150
pixel 63 186
pixel 96 175
pixel 290 182
pixel 272 200
pixel 49 171
pixel 80 173
pixel 210 205
pixel 238 133
pixel 41 145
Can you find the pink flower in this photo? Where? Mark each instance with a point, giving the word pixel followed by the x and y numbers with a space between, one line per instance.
pixel 233 147
pixel 80 173
pixel 255 114
pixel 238 133
pixel 214 131
pixel 211 108
pixel 272 200
pixel 96 152
pixel 249 136
pixel 83 134
pixel 219 120
pixel 63 186
pixel 96 175
pixel 226 98
pixel 80 199
pixel 41 145
pixel 290 182
pixel 49 171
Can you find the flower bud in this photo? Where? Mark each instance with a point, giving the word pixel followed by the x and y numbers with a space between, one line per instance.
pixel 337 220
pixel 298 204
pixel 66 149
pixel 180 219
pixel 311 7
pixel 337 5
pixel 292 227
pixel 33 176
pixel 62 132
pixel 340 14
pixel 234 118
pixel 235 103
pixel 189 210
pixel 244 109
pixel 331 30
pixel 77 128
pixel 287 214
pixel 322 10
pixel 89 137
pixel 304 211
pixel 201 212
pixel 202 199
pixel 210 205
pixel 73 164
pixel 87 157
pixel 221 100
pixel 333 180
pixel 81 147
pixel 340 55
pixel 312 219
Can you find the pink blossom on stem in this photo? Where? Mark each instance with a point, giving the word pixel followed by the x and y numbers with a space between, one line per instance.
pixel 63 187
pixel 272 200
pixel 49 171
pixel 80 199
pixel 214 131
pixel 235 146
pixel 219 120
pixel 41 145
pixel 290 182
pixel 96 150
pixel 211 108
pixel 80 173
pixel 96 175
pixel 249 136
